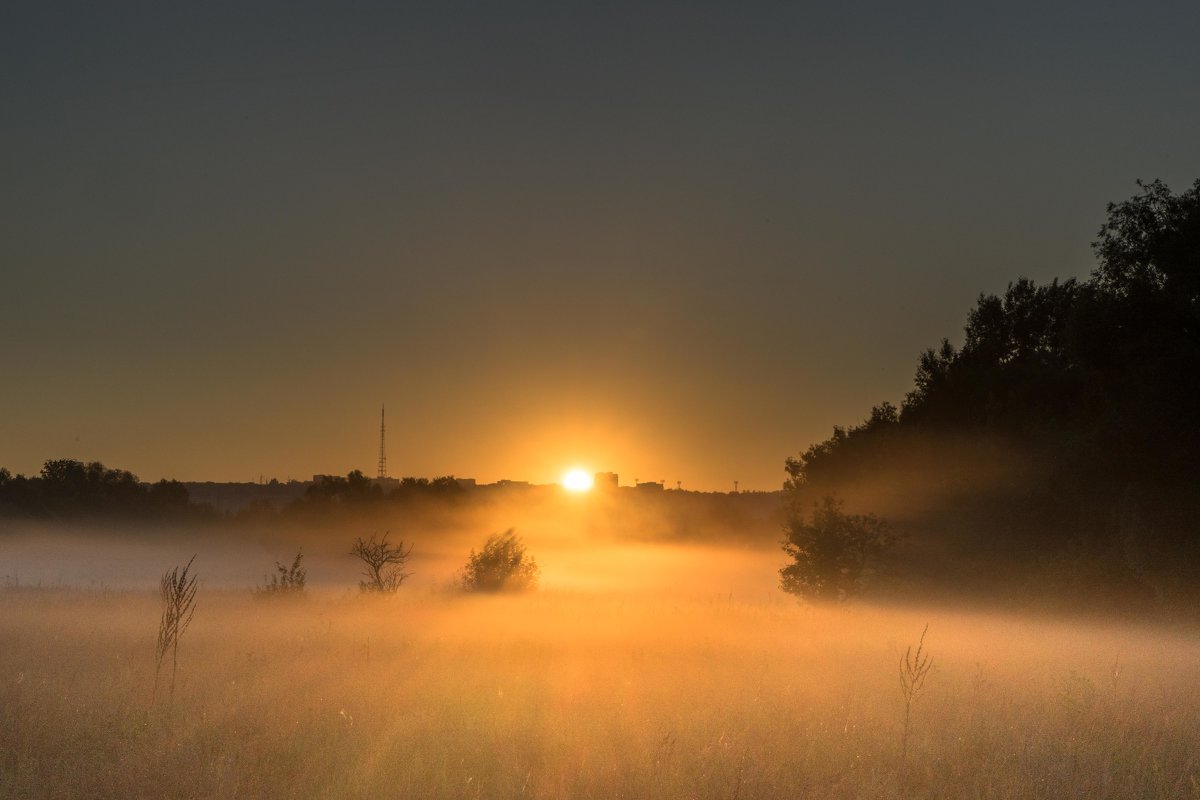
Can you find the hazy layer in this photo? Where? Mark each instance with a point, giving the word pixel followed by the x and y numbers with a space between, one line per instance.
pixel 601 694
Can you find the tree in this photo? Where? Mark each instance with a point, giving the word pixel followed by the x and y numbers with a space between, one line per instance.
pixel 354 489
pixel 1140 332
pixel 833 554
pixel 932 379
pixel 1014 372
pixel 72 487
pixel 502 565
pixel 447 486
pixel 1151 244
pixel 168 496
pixel 840 458
pixel 384 564
pixel 1066 416
pixel 1027 324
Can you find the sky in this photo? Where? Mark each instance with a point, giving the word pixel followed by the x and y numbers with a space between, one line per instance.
pixel 675 241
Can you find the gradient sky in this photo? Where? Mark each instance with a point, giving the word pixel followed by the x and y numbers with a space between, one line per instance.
pixel 676 241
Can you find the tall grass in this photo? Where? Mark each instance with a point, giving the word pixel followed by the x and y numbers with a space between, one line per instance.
pixel 177 590
pixel 574 695
pixel 289 579
pixel 914 668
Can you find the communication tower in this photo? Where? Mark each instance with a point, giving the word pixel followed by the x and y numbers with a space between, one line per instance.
pixel 382 443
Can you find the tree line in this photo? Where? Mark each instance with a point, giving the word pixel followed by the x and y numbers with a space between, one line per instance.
pixel 68 488
pixel 1060 440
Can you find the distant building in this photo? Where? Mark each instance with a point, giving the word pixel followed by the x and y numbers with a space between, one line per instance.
pixel 652 486
pixel 466 483
pixel 605 480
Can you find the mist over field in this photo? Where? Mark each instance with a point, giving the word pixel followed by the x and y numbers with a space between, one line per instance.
pixel 595 542
pixel 647 664
pixel 42 560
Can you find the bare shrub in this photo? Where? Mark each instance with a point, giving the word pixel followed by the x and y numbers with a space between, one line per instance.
pixel 287 580
pixel 384 564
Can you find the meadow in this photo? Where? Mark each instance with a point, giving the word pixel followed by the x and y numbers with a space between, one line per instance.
pixel 636 671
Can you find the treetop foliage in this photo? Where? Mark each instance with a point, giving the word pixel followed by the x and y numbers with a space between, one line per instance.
pixel 1107 368
pixel 1150 245
pixel 356 490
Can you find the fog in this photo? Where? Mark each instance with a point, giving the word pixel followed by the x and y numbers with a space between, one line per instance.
pixel 592 543
pixel 658 658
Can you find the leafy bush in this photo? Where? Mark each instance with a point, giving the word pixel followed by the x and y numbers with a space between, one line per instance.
pixel 502 565
pixel 835 554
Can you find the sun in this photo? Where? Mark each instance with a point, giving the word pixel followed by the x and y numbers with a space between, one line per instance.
pixel 577 480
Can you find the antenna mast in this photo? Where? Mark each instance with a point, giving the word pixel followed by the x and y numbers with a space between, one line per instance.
pixel 382 443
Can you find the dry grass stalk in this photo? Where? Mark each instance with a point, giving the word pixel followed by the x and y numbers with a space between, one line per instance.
pixel 914 667
pixel 178 592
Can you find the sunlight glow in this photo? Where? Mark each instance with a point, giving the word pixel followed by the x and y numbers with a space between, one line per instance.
pixel 577 480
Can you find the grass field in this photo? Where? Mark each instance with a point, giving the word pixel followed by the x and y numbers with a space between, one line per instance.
pixel 591 693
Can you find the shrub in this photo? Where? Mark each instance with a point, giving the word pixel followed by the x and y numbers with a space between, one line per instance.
pixel 502 565
pixel 287 580
pixel 835 554
pixel 384 564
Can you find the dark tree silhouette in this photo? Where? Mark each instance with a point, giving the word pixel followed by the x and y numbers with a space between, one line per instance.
pixel 1089 387
pixel 383 562
pixel 66 488
pixel 1150 245
pixel 331 491
pixel 834 554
